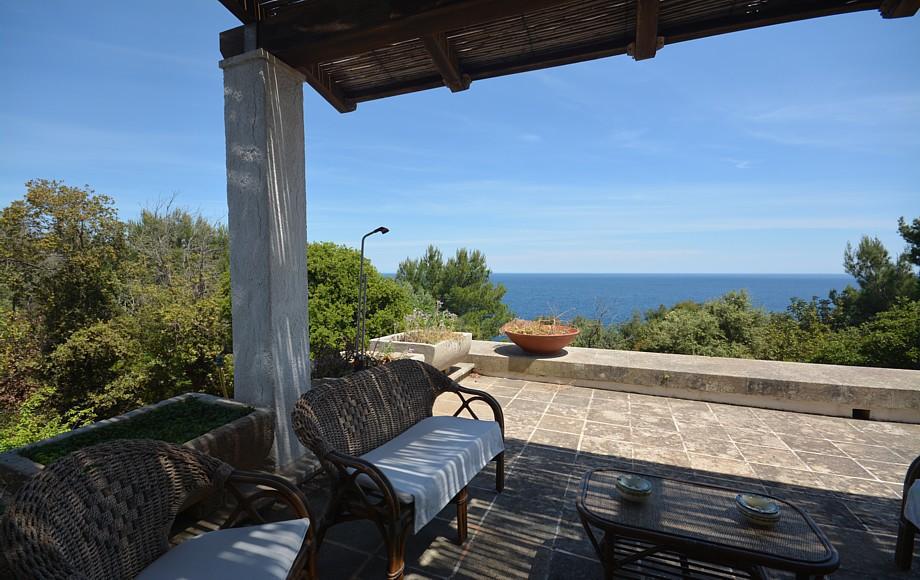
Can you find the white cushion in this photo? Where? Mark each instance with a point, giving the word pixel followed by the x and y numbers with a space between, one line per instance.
pixel 253 552
pixel 430 462
pixel 912 504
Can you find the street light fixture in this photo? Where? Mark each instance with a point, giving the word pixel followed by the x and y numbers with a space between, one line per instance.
pixel 362 302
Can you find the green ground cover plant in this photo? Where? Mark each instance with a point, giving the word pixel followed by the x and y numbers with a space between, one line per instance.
pixel 175 423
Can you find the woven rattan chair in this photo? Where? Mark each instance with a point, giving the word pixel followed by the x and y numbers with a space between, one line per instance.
pixel 342 419
pixel 105 512
pixel 907 531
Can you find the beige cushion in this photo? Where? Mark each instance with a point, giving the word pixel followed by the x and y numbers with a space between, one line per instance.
pixel 253 552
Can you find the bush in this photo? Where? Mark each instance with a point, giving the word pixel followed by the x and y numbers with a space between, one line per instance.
pixel 333 288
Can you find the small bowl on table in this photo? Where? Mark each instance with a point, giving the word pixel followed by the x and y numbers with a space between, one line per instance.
pixel 633 488
pixel 757 509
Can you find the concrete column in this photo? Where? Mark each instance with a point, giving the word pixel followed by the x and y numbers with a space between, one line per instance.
pixel 266 195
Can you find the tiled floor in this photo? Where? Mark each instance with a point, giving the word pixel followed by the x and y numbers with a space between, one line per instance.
pixel 847 474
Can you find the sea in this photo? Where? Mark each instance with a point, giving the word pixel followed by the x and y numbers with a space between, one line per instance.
pixel 614 297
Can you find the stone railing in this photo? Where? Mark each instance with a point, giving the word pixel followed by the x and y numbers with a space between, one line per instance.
pixel 886 394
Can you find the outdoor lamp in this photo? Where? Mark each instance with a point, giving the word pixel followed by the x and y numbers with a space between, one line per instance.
pixel 362 301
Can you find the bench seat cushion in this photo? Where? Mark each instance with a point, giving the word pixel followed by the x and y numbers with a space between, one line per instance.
pixel 912 504
pixel 429 463
pixel 259 552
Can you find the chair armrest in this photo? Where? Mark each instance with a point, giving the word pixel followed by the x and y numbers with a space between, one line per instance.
pixel 350 468
pixel 477 395
pixel 269 487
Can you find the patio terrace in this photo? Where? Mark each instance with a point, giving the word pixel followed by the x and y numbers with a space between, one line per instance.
pixel 845 473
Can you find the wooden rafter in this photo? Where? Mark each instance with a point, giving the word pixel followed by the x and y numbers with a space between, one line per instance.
pixel 899 8
pixel 445 60
pixel 325 85
pixel 646 44
pixel 246 10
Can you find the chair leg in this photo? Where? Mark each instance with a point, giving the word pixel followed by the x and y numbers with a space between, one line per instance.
pixel 395 536
pixel 462 500
pixel 904 549
pixel 500 472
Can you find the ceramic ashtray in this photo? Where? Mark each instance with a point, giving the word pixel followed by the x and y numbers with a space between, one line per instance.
pixel 633 487
pixel 758 510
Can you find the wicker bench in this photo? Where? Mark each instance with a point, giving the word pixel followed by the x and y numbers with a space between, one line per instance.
pixel 907 530
pixel 374 432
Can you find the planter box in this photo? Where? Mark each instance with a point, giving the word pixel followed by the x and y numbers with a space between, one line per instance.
pixel 244 443
pixel 442 355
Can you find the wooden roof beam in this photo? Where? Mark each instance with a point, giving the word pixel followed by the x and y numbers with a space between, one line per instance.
pixel 647 40
pixel 316 31
pixel 246 11
pixel 323 84
pixel 445 60
pixel 899 8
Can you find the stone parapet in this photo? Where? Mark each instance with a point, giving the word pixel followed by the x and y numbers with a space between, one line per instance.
pixel 887 394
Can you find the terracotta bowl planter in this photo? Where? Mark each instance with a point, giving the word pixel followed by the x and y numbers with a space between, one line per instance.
pixel 542 343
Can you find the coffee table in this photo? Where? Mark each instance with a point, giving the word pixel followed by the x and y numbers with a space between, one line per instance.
pixel 692 530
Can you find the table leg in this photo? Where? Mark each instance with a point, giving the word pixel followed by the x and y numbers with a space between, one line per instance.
pixel 608 558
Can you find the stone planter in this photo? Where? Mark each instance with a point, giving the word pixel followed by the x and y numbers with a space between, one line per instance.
pixel 442 355
pixel 244 443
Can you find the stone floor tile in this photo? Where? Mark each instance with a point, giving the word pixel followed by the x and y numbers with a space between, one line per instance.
pixel 722 448
pixel 833 465
pixel 810 444
pixel 542 387
pixel 694 431
pixel 562 409
pixel 657 438
pixel 498 391
pixel 647 410
pixel 854 486
pixel 860 451
pixel 878 515
pixel 568 566
pixel 644 454
pixel 611 416
pixel 542 396
pixel 654 423
pixel 554 438
pixel 890 472
pixel 598 445
pixel 608 431
pixel 773 475
pixel 564 424
pixel 771 456
pixel 752 437
pixel 610 395
pixel 527 406
pixel 718 465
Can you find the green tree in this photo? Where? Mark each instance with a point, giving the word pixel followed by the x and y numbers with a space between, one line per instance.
pixel 911 234
pixel 463 287
pixel 333 285
pixel 62 251
pixel 881 280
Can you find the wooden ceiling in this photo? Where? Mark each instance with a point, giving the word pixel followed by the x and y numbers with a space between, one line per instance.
pixel 359 50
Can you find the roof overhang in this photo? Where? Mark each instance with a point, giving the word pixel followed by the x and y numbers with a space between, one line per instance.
pixel 360 50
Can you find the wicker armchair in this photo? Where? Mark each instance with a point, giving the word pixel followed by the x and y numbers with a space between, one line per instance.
pixel 105 512
pixel 907 531
pixel 340 420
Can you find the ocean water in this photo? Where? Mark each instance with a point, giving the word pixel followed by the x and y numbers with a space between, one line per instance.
pixel 614 297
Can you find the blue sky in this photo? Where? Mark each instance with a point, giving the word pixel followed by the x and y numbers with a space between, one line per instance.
pixel 760 151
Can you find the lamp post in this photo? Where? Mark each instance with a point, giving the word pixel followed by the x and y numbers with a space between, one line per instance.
pixel 362 302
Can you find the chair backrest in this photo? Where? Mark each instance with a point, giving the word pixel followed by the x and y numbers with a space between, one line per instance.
pixel 104 511
pixel 361 412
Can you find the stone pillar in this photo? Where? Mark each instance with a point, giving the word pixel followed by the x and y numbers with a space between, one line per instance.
pixel 266 195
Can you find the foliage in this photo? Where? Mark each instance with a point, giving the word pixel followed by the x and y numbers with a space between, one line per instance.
pixel 61 254
pixel 33 421
pixel 430 325
pixel 463 286
pixel 175 423
pixel 333 286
